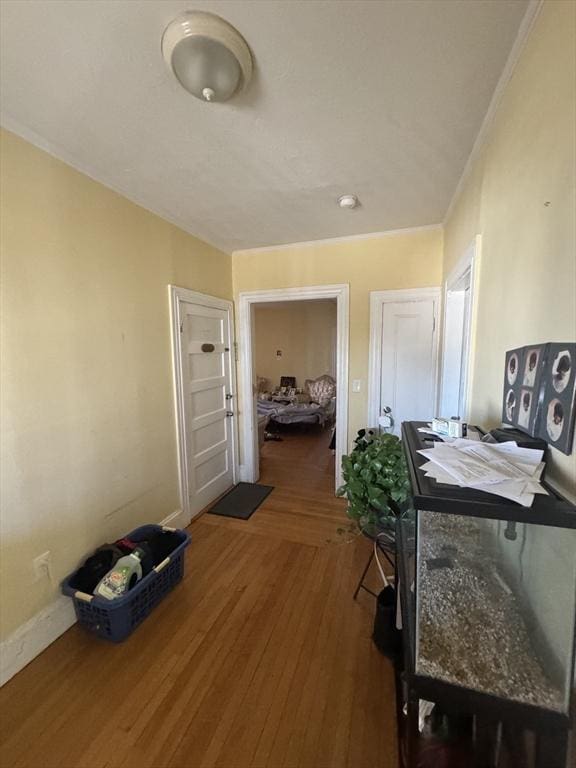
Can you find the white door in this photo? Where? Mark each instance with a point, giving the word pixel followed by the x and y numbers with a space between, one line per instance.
pixel 208 401
pixel 408 361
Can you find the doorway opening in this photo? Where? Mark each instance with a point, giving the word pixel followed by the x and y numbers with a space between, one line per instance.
pixel 459 310
pixel 294 381
pixel 295 367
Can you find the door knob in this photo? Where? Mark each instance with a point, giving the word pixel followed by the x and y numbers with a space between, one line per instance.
pixel 229 414
pixel 385 420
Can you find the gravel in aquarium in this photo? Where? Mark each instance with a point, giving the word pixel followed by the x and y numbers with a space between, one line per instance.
pixel 471 630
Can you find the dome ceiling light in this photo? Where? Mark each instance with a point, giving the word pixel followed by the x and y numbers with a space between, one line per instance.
pixel 209 58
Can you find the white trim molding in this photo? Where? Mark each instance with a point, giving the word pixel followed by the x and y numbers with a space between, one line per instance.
pixel 474 254
pixel 377 300
pixel 176 296
pixel 175 519
pixel 468 261
pixel 33 637
pixel 248 415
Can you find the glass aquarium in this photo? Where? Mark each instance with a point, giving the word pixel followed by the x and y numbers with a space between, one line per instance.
pixel 494 606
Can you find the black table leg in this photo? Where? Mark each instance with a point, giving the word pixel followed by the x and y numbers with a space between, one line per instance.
pixel 364 572
pixel 551 748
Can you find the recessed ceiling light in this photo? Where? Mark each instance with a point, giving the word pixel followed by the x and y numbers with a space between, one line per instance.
pixel 209 58
pixel 348 202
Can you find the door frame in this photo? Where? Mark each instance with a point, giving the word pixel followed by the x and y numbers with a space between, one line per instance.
pixel 248 416
pixel 470 260
pixel 177 296
pixel 377 301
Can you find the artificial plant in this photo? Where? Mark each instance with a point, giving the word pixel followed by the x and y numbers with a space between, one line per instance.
pixel 376 482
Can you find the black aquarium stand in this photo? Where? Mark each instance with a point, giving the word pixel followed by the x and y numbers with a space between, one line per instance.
pixel 531 733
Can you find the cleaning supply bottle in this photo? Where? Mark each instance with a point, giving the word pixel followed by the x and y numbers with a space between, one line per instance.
pixel 126 573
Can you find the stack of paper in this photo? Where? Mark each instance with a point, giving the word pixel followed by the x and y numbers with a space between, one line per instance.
pixel 500 468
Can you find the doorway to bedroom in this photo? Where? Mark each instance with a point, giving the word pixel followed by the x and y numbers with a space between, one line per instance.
pixel 293 363
pixel 295 368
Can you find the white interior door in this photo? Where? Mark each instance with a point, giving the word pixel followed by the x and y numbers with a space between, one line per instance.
pixel 408 360
pixel 208 401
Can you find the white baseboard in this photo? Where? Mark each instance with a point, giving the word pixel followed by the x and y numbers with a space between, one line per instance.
pixel 33 637
pixel 175 519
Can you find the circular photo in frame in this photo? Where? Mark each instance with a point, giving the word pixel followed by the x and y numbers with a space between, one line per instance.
pixel 555 419
pixel 512 368
pixel 524 409
pixel 510 405
pixel 531 367
pixel 561 370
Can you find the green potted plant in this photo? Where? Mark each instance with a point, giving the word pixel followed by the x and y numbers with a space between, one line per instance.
pixel 376 482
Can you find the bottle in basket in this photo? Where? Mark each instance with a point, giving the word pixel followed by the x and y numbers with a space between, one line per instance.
pixel 125 574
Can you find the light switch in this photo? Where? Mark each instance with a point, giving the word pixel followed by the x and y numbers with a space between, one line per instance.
pixel 356 385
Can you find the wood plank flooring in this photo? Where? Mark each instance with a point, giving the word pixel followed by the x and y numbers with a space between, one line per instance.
pixel 259 659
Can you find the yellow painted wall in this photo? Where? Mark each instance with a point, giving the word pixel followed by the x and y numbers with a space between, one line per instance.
pixel 521 197
pixel 402 260
pixel 88 435
pixel 305 333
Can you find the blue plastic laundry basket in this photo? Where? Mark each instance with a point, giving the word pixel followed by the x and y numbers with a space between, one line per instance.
pixel 116 619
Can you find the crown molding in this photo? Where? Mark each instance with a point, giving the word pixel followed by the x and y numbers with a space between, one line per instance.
pixel 27 134
pixel 532 12
pixel 336 240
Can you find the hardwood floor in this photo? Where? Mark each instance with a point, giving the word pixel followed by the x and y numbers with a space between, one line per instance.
pixel 260 658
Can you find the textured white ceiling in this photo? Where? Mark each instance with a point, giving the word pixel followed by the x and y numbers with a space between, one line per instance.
pixel 382 99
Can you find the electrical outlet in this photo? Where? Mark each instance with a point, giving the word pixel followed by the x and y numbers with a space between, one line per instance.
pixel 42 566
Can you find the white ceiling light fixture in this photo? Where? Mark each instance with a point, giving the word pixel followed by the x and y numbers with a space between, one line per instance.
pixel 210 58
pixel 348 202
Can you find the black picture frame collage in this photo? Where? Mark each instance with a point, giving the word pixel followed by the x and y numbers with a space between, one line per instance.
pixel 539 392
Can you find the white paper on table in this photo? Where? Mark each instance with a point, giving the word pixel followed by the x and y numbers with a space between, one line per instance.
pixel 525 460
pixel 508 461
pixel 510 490
pixel 501 469
pixel 438 474
pixel 465 470
pixel 435 471
pixel 527 455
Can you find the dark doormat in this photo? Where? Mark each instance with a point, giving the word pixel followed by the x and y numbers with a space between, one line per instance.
pixel 242 500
